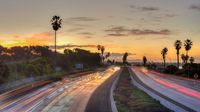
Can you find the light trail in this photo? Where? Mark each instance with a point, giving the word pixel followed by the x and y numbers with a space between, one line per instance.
pixel 34 100
pixel 168 84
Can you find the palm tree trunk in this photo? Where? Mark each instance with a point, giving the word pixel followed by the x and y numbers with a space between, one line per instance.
pixel 55 42
pixel 186 56
pixel 178 61
pixel 55 54
pixel 164 63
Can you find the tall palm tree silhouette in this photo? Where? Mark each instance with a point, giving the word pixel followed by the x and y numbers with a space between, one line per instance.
pixel 188 45
pixel 56 22
pixel 177 46
pixel 164 53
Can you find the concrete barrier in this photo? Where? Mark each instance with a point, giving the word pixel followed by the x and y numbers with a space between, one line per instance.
pixel 113 88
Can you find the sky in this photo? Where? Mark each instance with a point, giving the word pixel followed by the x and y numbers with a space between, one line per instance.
pixel 139 27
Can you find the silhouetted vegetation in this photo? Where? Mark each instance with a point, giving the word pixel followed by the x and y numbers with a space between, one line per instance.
pixel 31 61
pixel 124 59
pixel 144 60
pixel 191 69
pixel 178 45
pixel 171 69
pixel 101 50
pixel 56 22
pixel 164 53
pixel 4 72
pixel 188 69
pixel 188 45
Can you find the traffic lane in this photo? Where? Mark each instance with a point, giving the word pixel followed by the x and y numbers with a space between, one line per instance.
pixel 171 84
pixel 186 100
pixel 192 84
pixel 77 100
pixel 31 100
pixel 100 98
pixel 73 100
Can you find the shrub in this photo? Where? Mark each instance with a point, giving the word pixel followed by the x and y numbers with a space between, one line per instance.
pixel 171 69
pixel 4 72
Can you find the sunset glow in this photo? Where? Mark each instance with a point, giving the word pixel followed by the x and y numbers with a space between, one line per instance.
pixel 139 27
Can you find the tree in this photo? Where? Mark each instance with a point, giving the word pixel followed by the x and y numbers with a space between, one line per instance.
pixel 124 59
pixel 178 45
pixel 144 60
pixel 102 50
pixel 107 55
pixel 183 57
pixel 164 53
pixel 191 60
pixel 2 49
pixel 56 22
pixel 4 72
pixel 188 45
pixel 98 47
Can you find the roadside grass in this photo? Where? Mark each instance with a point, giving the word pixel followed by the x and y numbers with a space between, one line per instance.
pixel 131 99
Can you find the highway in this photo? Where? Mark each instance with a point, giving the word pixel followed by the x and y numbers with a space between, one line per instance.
pixel 90 96
pixel 182 92
pixel 37 100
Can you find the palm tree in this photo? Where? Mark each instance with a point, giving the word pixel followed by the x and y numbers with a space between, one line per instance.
pixel 164 53
pixel 144 60
pixel 188 45
pixel 178 45
pixel 98 47
pixel 191 60
pixel 102 50
pixel 183 57
pixel 124 59
pixel 56 22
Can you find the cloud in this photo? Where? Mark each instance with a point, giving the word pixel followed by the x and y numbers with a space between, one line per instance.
pixel 170 15
pixel 116 34
pixel 79 21
pixel 117 31
pixel 75 29
pixel 149 32
pixel 82 19
pixel 195 7
pixel 86 33
pixel 144 8
pixel 73 46
pixel 122 31
pixel 121 54
pixel 155 38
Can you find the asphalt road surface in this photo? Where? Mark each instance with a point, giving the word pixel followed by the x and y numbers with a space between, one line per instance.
pixel 37 99
pixel 178 91
pixel 90 96
pixel 100 99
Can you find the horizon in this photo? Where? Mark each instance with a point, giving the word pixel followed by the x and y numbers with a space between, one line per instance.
pixel 121 26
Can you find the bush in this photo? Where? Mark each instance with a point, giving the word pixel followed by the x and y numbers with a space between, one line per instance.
pixel 191 69
pixel 38 67
pixel 4 72
pixel 171 69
